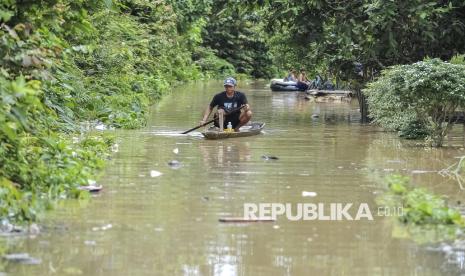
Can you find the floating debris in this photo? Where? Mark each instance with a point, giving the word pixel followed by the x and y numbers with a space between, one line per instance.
pixel 114 147
pixel 421 171
pixel 6 226
pixel 8 229
pixel 205 198
pixel 242 220
pixel 22 258
pixel 91 188
pixel 174 164
pixel 308 194
pixel 269 157
pixel 154 173
pixel 176 151
pixel 91 243
pixel 108 226
pixel 100 127
pixel 103 228
pixel 34 229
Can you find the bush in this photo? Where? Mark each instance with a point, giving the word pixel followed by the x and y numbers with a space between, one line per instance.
pixel 413 130
pixel 38 164
pixel 99 61
pixel 211 65
pixel 420 206
pixel 425 93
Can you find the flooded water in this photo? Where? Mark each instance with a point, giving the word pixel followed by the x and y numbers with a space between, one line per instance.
pixel 144 223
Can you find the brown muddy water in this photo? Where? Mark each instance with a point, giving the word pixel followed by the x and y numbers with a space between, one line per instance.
pixel 168 224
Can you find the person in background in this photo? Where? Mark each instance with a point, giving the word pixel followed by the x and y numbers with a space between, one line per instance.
pixel 291 76
pixel 302 80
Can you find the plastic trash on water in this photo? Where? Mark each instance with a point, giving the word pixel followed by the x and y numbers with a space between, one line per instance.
pixel 174 164
pixel 100 127
pixel 308 194
pixel 154 173
pixel 114 147
pixel 23 258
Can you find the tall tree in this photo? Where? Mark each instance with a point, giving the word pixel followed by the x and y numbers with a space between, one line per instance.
pixel 375 33
pixel 235 33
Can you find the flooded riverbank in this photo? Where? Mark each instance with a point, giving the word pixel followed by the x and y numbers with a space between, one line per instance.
pixel 166 223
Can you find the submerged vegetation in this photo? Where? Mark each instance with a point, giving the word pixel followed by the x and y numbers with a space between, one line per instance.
pixel 418 99
pixel 423 212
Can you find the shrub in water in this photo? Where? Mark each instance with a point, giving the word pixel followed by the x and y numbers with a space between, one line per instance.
pixel 427 92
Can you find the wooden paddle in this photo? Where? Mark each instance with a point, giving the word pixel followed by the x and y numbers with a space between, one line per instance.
pixel 211 121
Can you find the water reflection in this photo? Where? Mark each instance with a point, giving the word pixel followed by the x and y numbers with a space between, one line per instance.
pixel 168 225
pixel 230 153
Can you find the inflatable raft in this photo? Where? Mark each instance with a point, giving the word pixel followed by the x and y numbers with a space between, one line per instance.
pixel 281 85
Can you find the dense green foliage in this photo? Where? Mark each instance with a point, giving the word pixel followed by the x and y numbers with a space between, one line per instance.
pixel 425 93
pixel 37 163
pixel 66 62
pixel 231 36
pixel 420 207
pixel 329 36
pixel 235 34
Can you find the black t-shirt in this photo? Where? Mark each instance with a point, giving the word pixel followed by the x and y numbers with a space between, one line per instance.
pixel 228 104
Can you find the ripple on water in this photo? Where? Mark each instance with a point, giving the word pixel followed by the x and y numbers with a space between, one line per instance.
pixel 169 223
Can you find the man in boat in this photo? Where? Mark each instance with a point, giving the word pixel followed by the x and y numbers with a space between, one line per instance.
pixel 228 103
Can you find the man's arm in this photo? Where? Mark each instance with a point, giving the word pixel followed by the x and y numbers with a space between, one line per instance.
pixel 206 114
pixel 245 102
pixel 209 109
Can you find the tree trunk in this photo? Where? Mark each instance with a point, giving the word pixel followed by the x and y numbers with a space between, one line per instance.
pixel 362 103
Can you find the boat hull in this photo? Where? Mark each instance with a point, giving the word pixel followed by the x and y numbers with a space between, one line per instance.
pixel 280 85
pixel 247 130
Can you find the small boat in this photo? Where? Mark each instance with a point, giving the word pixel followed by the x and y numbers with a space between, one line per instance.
pixel 244 131
pixel 281 85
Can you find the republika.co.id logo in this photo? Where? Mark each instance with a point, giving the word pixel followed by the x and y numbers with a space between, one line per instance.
pixel 316 211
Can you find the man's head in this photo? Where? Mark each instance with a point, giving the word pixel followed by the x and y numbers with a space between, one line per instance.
pixel 229 84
